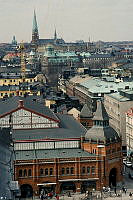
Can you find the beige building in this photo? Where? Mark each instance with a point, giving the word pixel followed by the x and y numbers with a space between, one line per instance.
pixel 117 104
pixel 129 130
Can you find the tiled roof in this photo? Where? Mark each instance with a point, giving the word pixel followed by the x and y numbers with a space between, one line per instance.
pixel 56 153
pixel 85 112
pixel 68 128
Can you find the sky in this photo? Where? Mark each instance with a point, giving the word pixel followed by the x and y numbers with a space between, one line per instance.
pixel 106 20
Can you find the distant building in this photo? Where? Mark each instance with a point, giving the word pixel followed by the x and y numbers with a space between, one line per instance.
pixel 129 131
pixel 89 91
pixel 117 104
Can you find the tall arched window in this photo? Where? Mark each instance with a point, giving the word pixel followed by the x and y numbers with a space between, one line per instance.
pixel 20 173
pixel 51 171
pixel 63 171
pixel 72 170
pixel 67 170
pixel 41 171
pixel 93 170
pixel 46 172
pixel 25 172
pixel 88 170
pixel 83 170
pixel 29 172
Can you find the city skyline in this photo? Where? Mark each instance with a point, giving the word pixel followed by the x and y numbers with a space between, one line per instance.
pixel 74 20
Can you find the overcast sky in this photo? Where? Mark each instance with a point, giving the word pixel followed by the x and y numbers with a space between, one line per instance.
pixel 107 20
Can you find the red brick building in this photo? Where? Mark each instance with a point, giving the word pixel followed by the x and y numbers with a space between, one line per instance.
pixel 55 152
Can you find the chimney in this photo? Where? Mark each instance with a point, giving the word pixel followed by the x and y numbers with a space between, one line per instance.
pixel 17 93
pixel 20 103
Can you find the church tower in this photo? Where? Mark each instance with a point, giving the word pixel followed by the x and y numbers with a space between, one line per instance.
pixel 35 34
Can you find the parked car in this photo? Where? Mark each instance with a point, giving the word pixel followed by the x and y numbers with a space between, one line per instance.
pixel 128 164
pixel 130 175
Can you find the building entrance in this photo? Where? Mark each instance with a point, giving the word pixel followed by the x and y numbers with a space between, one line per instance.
pixel 112 177
pixel 26 191
pixel 88 186
pixel 68 186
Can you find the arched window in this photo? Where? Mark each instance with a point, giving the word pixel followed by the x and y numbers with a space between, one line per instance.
pixel 93 170
pixel 46 172
pixel 29 172
pixel 25 172
pixel 20 173
pixel 83 170
pixel 88 170
pixel 67 170
pixel 51 171
pixel 72 170
pixel 41 171
pixel 63 171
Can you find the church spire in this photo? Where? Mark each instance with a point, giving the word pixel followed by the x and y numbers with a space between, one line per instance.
pixel 35 35
pixel 55 35
pixel 34 27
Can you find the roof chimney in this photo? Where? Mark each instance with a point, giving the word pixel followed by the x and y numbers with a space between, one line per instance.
pixel 20 103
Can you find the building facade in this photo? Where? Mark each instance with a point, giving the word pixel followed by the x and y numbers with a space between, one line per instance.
pixel 53 152
pixel 117 104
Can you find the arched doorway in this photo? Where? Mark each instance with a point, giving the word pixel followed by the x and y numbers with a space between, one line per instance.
pixel 68 186
pixel 26 191
pixel 112 177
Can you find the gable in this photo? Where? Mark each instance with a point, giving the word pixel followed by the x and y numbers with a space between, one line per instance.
pixel 23 119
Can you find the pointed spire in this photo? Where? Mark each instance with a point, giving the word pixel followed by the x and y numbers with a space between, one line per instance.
pixel 55 35
pixel 34 27
pixel 101 113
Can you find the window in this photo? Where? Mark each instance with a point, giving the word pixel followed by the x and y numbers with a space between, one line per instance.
pixel 67 170
pixel 72 170
pixel 93 170
pixel 29 172
pixel 63 171
pixel 20 173
pixel 46 172
pixel 51 171
pixel 88 170
pixel 83 170
pixel 41 171
pixel 25 172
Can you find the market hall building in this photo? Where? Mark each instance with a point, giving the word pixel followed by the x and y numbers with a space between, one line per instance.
pixel 54 152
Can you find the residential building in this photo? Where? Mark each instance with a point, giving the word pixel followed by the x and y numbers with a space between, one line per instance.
pixel 129 131
pixel 89 91
pixel 117 104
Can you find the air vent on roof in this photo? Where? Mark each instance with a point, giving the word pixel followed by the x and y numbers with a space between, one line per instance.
pixel 79 152
pixel 34 99
pixel 63 152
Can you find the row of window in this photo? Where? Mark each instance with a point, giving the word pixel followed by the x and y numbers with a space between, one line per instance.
pixel 25 172
pixel 64 171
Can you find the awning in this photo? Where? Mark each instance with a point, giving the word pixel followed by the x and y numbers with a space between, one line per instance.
pixel 88 179
pixel 45 184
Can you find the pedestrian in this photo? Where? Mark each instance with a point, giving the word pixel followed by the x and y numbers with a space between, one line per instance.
pixel 125 190
pixel 130 194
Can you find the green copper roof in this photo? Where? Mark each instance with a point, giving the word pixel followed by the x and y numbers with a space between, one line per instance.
pixel 34 27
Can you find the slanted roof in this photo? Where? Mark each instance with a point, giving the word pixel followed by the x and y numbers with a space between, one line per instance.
pixel 10 104
pixel 54 153
pixel 68 128
pixel 101 113
pixel 85 112
pixel 101 131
